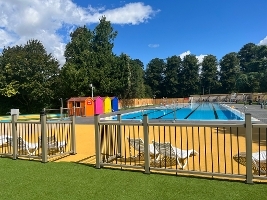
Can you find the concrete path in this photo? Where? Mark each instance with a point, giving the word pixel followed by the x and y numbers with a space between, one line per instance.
pixel 256 111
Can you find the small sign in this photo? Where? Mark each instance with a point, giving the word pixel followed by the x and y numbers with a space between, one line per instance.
pixel 89 102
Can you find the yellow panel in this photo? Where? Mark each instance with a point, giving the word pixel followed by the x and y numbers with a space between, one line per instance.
pixel 107 105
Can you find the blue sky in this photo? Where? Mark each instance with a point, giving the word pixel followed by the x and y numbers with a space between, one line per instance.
pixel 146 29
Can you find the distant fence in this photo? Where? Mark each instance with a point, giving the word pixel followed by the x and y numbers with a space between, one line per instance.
pixel 39 140
pixel 213 149
pixel 124 103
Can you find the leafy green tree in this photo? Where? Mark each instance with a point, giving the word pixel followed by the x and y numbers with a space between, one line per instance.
pixel 90 60
pixel 229 72
pixel 137 76
pixel 189 76
pixel 29 76
pixel 171 81
pixel 104 59
pixel 78 71
pixel 253 64
pixel 262 57
pixel 209 74
pixel 121 77
pixel 247 56
pixel 154 76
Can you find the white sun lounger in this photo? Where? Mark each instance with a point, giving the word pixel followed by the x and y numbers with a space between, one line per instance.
pixel 259 161
pixel 172 155
pixel 138 145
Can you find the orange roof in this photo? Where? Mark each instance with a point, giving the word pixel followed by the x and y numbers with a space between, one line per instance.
pixel 78 98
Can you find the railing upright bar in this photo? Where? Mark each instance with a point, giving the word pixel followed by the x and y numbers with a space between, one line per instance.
pixel 248 126
pixel 97 141
pixel 73 135
pixel 146 144
pixel 119 135
pixel 14 136
pixel 44 137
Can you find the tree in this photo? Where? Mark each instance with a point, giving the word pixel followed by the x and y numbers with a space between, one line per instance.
pixel 229 72
pixel 90 60
pixel 104 59
pixel 247 56
pixel 78 71
pixel 29 76
pixel 171 81
pixel 137 76
pixel 154 76
pixel 121 77
pixel 209 74
pixel 189 76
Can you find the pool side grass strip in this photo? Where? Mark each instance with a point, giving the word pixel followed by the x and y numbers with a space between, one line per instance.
pixel 23 179
pixel 192 111
pixel 215 112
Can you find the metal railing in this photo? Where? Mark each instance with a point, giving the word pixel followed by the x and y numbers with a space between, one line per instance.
pixel 206 148
pixel 39 140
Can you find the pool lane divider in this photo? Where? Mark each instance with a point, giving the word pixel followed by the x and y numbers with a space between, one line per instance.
pixel 156 110
pixel 192 112
pixel 215 112
pixel 168 113
pixel 146 113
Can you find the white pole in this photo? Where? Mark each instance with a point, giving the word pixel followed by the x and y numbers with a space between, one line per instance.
pixel 91 85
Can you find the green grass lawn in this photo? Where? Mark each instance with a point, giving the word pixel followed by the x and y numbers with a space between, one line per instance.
pixel 22 179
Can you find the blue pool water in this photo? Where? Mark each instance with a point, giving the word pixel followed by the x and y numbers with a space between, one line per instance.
pixel 194 111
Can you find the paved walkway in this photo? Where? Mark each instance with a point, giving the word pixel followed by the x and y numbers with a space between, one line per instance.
pixel 255 110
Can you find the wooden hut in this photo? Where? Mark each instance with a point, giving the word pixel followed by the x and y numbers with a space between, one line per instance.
pixel 84 106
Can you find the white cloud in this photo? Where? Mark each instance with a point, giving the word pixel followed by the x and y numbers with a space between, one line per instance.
pixel 45 20
pixel 263 42
pixel 182 55
pixel 153 45
pixel 200 57
pixel 6 38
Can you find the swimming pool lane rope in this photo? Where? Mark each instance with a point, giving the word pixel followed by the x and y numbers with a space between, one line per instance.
pixel 169 113
pixel 215 112
pixel 192 111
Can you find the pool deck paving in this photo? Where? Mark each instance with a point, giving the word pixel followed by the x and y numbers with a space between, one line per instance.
pixel 256 111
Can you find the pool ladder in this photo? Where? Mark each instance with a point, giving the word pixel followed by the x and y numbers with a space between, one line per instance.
pixel 244 109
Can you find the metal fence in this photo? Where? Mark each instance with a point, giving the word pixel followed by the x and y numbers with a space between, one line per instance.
pixel 40 140
pixel 235 151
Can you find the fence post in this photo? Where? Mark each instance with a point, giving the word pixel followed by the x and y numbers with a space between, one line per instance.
pixel 146 144
pixel 61 113
pixel 119 134
pixel 44 137
pixel 14 136
pixel 97 141
pixel 74 110
pixel 73 136
pixel 248 126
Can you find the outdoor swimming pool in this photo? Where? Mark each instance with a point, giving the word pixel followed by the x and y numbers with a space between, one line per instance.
pixel 193 111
